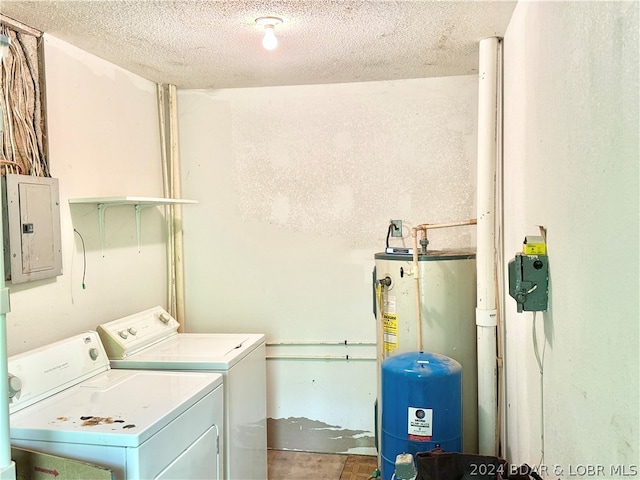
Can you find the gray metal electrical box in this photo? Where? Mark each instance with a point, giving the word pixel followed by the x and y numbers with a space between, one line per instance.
pixel 31 217
pixel 529 282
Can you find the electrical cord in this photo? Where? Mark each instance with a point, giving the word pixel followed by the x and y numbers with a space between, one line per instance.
pixel 84 259
pixel 23 150
pixel 13 165
pixel 7 150
pixel 391 226
pixel 36 95
pixel 31 127
pixel 24 112
pixel 540 361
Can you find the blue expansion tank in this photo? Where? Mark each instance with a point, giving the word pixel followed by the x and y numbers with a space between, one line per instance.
pixel 421 406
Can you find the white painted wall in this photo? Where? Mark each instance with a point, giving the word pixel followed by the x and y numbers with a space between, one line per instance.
pixel 571 164
pixel 296 188
pixel 103 141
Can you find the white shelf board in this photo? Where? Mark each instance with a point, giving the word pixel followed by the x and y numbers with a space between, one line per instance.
pixel 131 201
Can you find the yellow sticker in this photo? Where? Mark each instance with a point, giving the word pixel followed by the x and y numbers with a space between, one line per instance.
pixel 534 245
pixel 534 249
pixel 390 331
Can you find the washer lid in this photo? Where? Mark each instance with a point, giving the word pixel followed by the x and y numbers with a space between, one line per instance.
pixel 117 408
pixel 194 351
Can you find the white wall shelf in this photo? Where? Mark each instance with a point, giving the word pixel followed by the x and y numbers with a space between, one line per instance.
pixel 149 201
pixel 139 204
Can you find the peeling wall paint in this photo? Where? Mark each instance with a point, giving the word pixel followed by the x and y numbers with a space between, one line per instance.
pixel 313 436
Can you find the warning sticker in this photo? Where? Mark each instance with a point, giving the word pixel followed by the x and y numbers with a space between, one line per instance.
pixel 390 331
pixel 420 424
pixel 389 303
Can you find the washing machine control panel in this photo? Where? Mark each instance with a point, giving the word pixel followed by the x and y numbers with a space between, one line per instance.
pixel 45 371
pixel 130 334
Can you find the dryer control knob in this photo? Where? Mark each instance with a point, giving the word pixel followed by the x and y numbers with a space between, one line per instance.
pixel 164 318
pixel 123 334
pixel 15 385
pixel 132 331
pixel 94 353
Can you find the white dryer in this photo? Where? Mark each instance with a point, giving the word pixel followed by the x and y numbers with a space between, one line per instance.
pixel 66 401
pixel 150 340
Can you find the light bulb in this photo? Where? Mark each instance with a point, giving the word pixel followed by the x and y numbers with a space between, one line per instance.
pixel 270 41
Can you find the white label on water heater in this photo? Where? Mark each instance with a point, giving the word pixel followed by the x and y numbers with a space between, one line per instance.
pixel 389 303
pixel 420 423
pixel 390 332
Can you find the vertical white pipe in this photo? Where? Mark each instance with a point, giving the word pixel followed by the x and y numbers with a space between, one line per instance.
pixel 501 429
pixel 7 467
pixel 166 186
pixel 485 259
pixel 176 192
pixel 168 117
pixel 5 448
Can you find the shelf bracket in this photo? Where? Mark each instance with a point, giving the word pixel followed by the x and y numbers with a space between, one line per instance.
pixel 101 208
pixel 139 203
pixel 139 207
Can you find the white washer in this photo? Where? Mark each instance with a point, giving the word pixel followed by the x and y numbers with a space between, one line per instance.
pixel 149 340
pixel 66 401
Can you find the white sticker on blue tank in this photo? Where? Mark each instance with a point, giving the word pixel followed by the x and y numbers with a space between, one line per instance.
pixel 420 424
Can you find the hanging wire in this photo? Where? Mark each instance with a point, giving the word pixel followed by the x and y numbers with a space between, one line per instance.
pixel 392 226
pixel 22 149
pixel 84 259
pixel 32 76
pixel 540 361
pixel 13 165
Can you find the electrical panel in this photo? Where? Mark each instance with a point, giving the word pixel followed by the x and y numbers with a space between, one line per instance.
pixel 31 217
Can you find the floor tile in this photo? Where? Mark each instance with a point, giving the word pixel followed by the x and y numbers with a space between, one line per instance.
pixel 290 465
pixel 359 467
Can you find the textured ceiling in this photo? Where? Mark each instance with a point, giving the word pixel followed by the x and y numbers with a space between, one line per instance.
pixel 217 44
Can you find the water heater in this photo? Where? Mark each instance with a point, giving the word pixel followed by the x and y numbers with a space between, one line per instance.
pixel 447 299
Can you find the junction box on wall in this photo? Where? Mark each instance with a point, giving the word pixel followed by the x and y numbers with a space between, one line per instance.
pixel 529 276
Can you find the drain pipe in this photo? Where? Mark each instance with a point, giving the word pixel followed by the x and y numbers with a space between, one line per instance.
pixel 168 119
pixel 486 321
pixel 7 467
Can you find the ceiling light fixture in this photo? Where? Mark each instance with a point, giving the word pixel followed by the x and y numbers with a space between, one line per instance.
pixel 269 40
